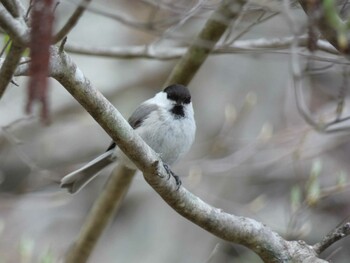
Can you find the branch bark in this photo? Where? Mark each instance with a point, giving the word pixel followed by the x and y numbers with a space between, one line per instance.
pixel 16 28
pixel 332 237
pixel 211 34
pixel 267 244
pixel 12 7
pixel 245 231
pixel 9 66
pixel 143 51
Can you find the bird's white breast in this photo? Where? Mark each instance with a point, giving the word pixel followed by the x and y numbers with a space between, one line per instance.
pixel 168 136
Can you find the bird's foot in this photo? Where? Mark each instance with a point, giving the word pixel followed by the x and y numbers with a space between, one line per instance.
pixel 176 177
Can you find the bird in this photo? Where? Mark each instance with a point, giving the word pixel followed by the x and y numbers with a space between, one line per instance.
pixel 165 122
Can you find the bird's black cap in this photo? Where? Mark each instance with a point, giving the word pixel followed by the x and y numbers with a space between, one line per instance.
pixel 178 93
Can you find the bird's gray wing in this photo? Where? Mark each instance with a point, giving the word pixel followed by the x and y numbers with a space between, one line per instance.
pixel 140 114
pixel 137 118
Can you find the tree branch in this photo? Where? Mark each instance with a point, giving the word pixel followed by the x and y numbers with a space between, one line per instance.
pixel 159 53
pixel 334 236
pixel 245 231
pixel 72 21
pixel 9 66
pixel 266 243
pixel 212 31
pixel 15 27
pixel 71 78
pixel 12 7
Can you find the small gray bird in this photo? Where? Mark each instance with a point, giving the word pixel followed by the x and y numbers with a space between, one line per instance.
pixel 165 122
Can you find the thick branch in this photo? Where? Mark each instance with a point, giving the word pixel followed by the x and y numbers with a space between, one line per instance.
pixel 12 7
pixel 18 31
pixel 67 73
pixel 15 27
pixel 9 66
pixel 268 244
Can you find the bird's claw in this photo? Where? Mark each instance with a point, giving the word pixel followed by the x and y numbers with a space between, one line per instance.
pixel 171 173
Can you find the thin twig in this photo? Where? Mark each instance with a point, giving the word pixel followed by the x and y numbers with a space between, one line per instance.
pixel 62 45
pixel 332 237
pixel 342 94
pixel 258 21
pixel 126 21
pixel 261 45
pixel 204 43
pixel 8 42
pixel 185 16
pixel 298 85
pixel 72 21
pixel 331 190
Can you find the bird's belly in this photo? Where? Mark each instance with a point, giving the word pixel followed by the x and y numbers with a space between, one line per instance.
pixel 170 140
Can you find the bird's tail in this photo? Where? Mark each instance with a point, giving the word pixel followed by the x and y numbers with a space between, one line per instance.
pixel 79 178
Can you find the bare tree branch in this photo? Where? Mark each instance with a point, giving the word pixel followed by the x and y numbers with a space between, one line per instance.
pixel 12 7
pixel 72 21
pixel 248 232
pixel 152 28
pixel 68 80
pixel 266 243
pixel 334 236
pixel 215 27
pixel 245 231
pixel 159 53
pixel 9 66
pixel 15 27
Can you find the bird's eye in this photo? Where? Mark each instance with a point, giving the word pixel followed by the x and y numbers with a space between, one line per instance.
pixel 187 100
pixel 171 97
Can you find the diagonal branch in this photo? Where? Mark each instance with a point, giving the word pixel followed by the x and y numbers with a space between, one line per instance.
pixel 72 21
pixel 245 231
pixel 9 66
pixel 267 244
pixel 143 160
pixel 215 27
pixel 15 27
pixel 12 7
pixel 334 236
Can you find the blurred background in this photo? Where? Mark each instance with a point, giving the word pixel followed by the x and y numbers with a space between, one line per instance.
pixel 254 155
